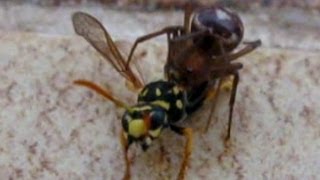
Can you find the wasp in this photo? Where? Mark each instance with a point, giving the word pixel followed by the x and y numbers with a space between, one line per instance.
pixel 160 104
pixel 201 52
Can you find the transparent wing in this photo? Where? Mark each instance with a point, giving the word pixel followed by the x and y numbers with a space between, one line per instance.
pixel 92 30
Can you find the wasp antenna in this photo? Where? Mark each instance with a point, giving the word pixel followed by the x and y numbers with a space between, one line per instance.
pixel 105 93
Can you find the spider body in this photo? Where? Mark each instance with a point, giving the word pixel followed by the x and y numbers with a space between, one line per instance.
pixel 202 50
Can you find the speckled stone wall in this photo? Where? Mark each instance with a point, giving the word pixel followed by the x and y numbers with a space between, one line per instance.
pixel 52 129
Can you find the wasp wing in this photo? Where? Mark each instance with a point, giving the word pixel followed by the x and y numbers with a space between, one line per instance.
pixel 93 31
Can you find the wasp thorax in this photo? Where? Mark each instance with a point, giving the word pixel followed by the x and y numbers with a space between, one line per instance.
pixel 222 24
pixel 143 124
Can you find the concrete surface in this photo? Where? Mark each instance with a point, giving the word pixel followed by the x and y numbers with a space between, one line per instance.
pixel 51 129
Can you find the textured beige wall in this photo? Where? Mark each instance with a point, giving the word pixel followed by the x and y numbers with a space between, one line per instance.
pixel 51 129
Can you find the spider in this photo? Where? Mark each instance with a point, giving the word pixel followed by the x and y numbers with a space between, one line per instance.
pixel 202 52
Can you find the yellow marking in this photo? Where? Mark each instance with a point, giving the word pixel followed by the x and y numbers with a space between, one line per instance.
pixel 179 104
pixel 163 104
pixel 155 133
pixel 144 93
pixel 143 108
pixel 176 90
pixel 227 84
pixel 158 92
pixel 137 128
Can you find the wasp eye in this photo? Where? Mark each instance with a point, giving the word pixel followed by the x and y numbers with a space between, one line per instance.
pixel 158 119
pixel 125 121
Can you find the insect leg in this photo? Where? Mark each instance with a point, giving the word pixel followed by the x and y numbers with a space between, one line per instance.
pixel 250 46
pixel 105 93
pixel 190 35
pixel 125 147
pixel 231 102
pixel 187 16
pixel 213 96
pixel 188 134
pixel 150 36
pixel 221 72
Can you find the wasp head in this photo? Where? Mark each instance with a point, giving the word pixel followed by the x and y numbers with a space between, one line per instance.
pixel 143 124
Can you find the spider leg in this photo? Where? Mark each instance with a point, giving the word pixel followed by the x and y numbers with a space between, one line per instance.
pixel 141 39
pixel 188 134
pixel 223 72
pixel 190 35
pixel 212 96
pixel 250 46
pixel 231 102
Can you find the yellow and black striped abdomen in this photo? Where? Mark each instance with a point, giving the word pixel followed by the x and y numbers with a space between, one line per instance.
pixel 166 95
